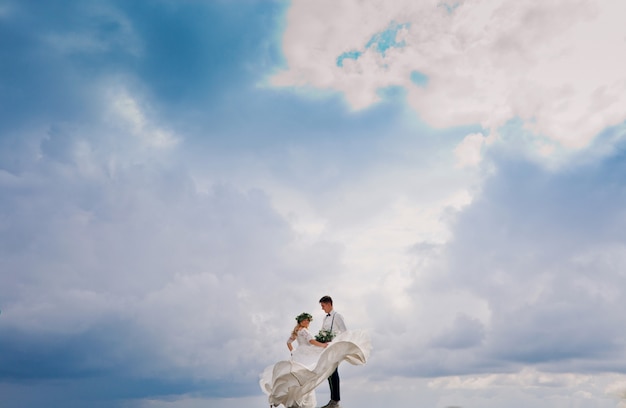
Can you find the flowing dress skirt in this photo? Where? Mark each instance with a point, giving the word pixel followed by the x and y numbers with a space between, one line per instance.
pixel 291 383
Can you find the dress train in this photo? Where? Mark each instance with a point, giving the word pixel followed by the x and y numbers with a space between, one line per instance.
pixel 292 383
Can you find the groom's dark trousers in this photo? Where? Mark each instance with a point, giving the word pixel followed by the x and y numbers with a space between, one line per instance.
pixel 333 381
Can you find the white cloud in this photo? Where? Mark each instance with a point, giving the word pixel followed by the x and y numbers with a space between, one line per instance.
pixel 127 111
pixel 531 387
pixel 527 377
pixel 468 152
pixel 554 64
pixel 143 247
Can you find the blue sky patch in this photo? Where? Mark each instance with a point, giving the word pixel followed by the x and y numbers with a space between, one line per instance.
pixel 419 79
pixel 387 39
pixel 348 55
pixel 381 42
pixel 449 7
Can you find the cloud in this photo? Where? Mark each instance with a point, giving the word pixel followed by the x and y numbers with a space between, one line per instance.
pixel 529 279
pixel 466 332
pixel 543 250
pixel 468 152
pixel 486 63
pixel 119 269
pixel 135 271
pixel 525 378
pixel 125 108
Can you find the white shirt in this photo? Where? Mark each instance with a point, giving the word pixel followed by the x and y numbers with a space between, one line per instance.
pixel 334 322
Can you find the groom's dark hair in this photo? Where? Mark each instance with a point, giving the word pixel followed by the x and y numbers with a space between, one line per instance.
pixel 326 299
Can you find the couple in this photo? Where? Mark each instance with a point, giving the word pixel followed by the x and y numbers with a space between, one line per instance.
pixel 292 383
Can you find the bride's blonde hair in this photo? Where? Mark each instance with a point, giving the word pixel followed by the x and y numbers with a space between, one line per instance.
pixel 294 333
pixel 300 318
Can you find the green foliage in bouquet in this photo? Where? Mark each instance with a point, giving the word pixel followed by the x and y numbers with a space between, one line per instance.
pixel 325 336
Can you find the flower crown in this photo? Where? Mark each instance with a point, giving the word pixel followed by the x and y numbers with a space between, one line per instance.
pixel 303 316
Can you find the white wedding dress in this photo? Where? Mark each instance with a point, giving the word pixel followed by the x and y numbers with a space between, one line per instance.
pixel 292 382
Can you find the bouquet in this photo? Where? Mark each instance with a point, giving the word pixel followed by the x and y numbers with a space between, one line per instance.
pixel 325 336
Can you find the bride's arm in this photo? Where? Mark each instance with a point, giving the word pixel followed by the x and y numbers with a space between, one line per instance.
pixel 291 339
pixel 312 340
pixel 318 344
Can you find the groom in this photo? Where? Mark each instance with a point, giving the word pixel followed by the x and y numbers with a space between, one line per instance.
pixel 333 322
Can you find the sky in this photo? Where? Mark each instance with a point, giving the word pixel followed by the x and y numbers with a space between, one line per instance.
pixel 179 179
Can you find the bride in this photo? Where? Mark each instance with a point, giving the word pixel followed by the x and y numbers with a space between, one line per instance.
pixel 292 382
